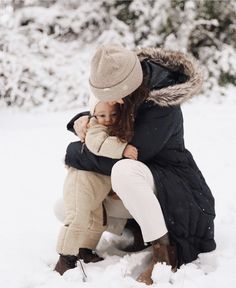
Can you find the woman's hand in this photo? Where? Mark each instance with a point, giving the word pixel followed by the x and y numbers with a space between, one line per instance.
pixel 130 152
pixel 81 126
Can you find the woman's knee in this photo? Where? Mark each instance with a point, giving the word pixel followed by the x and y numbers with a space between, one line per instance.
pixel 122 167
pixel 126 172
pixel 129 167
pixel 122 172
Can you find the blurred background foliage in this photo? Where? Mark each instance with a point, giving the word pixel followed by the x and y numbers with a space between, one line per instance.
pixel 45 46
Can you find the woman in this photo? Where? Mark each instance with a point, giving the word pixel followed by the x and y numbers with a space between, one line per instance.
pixel 164 190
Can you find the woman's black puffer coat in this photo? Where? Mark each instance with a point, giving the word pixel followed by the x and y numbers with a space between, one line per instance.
pixel 186 200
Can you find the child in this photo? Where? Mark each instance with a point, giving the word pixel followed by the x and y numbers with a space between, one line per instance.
pixel 100 137
pixel 85 215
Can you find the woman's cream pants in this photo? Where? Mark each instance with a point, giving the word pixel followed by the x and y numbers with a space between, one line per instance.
pixel 134 184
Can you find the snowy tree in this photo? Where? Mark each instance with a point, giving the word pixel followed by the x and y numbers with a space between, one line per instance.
pixel 45 46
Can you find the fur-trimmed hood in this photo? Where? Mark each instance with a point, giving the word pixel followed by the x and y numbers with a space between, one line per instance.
pixel 175 61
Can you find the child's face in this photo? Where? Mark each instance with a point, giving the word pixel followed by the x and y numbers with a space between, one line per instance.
pixel 106 114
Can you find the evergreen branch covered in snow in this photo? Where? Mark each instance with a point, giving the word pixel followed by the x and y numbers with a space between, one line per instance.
pixel 45 46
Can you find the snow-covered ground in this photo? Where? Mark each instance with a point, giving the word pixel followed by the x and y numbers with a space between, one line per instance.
pixel 32 173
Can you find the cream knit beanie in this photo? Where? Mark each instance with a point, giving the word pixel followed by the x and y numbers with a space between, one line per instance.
pixel 115 72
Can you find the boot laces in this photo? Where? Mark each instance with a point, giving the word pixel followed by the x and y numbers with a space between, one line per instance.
pixel 83 271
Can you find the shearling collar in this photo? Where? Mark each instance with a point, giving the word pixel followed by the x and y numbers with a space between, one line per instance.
pixel 177 61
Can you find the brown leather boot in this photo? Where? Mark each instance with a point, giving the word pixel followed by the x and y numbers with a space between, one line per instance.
pixel 89 255
pixel 161 254
pixel 65 263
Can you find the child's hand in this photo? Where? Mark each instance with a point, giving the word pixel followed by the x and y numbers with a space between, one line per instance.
pixel 93 121
pixel 130 152
pixel 80 127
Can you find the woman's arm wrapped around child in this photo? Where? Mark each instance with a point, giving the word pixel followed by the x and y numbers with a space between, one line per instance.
pixel 100 143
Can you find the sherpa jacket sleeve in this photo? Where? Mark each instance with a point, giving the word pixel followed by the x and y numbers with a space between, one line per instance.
pixel 100 143
pixel 79 157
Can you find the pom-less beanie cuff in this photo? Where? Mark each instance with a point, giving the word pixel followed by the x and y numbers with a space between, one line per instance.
pixel 115 73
